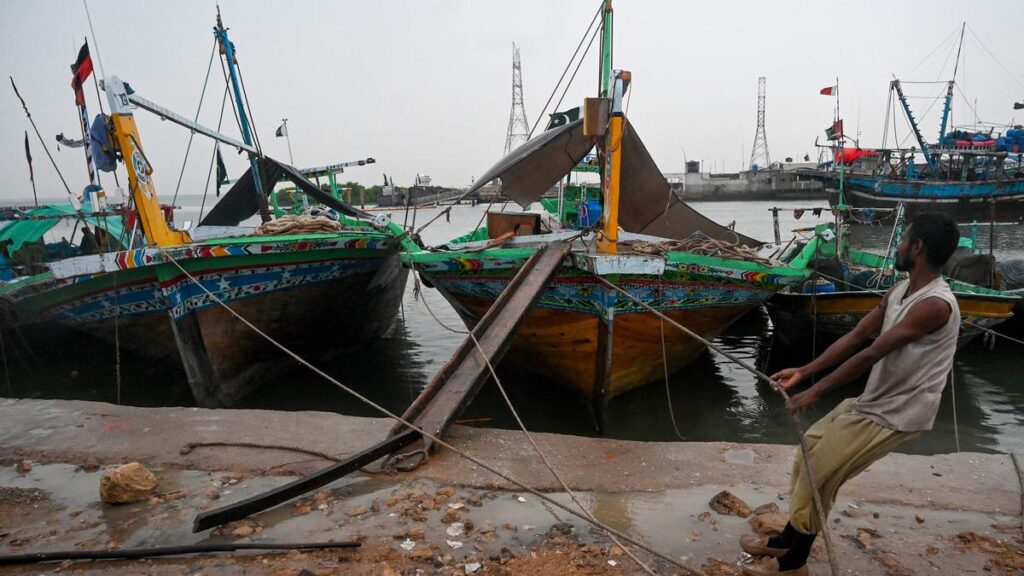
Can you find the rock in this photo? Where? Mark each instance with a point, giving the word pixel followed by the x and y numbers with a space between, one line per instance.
pixel 302 510
pixel 91 464
pixel 415 533
pixel 475 500
pixel 918 519
pixel 769 508
pixel 446 491
pixel 852 512
pixel 23 466
pixel 243 531
pixel 213 495
pixel 727 503
pixel 357 511
pixel 703 516
pixel 768 524
pixel 452 515
pixel 615 552
pixel 129 483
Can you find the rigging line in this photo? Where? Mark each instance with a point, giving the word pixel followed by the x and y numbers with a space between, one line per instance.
pixel 95 43
pixel 580 63
pixel 117 338
pixel 550 467
pixel 932 53
pixel 567 65
pixel 668 390
pixel 797 420
pixel 192 134
pixel 227 87
pixel 252 118
pixel 213 157
pixel 1008 73
pixel 462 453
pixel 41 142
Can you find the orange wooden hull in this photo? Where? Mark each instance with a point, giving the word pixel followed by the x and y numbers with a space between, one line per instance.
pixel 566 346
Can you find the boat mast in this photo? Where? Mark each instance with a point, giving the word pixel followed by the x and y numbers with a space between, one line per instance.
pixel 228 50
pixel 605 78
pixel 613 138
pixel 949 88
pixel 932 164
pixel 140 171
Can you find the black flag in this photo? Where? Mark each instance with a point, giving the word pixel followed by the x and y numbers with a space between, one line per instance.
pixel 222 172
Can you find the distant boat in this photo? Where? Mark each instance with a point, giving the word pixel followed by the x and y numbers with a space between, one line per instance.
pixel 583 333
pixel 316 285
pixel 968 174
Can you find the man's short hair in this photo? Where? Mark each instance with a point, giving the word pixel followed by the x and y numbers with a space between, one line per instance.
pixel 939 234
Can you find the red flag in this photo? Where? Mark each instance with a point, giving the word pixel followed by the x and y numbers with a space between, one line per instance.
pixel 81 70
pixel 828 91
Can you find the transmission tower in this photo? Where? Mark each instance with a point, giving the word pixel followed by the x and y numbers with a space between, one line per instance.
pixel 518 128
pixel 760 149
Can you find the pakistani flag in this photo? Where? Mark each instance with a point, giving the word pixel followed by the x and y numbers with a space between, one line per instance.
pixel 1018 105
pixel 563 118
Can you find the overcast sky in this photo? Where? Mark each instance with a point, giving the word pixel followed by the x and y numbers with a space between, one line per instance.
pixel 425 86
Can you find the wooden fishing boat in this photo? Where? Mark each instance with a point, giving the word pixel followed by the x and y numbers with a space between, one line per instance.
pixel 583 333
pixel 822 310
pixel 316 285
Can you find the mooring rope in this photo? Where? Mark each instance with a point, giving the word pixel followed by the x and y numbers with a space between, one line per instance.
pixel 522 425
pixel 798 422
pixel 440 442
pixel 668 390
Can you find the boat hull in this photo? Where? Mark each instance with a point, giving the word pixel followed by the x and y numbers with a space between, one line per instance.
pixel 1001 201
pixel 594 340
pixel 315 301
pixel 797 318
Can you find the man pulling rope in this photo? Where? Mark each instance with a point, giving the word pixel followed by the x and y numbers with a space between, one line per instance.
pixel 916 325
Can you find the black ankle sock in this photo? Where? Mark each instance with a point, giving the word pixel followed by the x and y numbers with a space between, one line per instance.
pixel 784 539
pixel 798 552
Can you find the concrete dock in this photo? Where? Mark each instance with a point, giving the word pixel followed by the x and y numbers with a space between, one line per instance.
pixel 944 514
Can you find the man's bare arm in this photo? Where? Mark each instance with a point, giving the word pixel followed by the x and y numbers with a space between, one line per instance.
pixel 924 318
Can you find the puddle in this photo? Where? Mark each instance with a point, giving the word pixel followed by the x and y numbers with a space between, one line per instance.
pixel 678 522
pixel 745 456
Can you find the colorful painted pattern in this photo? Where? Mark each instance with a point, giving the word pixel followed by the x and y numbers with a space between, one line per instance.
pixel 580 293
pixel 182 295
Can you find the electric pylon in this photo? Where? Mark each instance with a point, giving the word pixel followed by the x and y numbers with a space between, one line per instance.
pixel 518 128
pixel 760 149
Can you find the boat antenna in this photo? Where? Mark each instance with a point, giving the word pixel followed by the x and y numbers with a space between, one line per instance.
pixel 41 141
pixel 92 33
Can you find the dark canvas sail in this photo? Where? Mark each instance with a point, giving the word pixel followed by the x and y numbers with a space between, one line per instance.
pixel 240 203
pixel 532 169
pixel 648 206
pixel 646 202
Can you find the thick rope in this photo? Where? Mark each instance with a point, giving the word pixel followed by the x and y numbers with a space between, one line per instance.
pixel 798 422
pixel 411 426
pixel 536 448
pixel 299 225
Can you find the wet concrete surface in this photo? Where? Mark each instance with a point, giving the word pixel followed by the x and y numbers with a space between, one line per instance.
pixel 906 515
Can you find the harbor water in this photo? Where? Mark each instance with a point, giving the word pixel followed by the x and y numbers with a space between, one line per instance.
pixel 710 400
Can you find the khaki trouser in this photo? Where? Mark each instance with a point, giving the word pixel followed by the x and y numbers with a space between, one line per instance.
pixel 841 445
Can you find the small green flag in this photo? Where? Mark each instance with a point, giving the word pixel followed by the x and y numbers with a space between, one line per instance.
pixel 1018 105
pixel 563 118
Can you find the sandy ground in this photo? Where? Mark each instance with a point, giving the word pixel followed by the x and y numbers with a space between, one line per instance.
pixel 906 515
